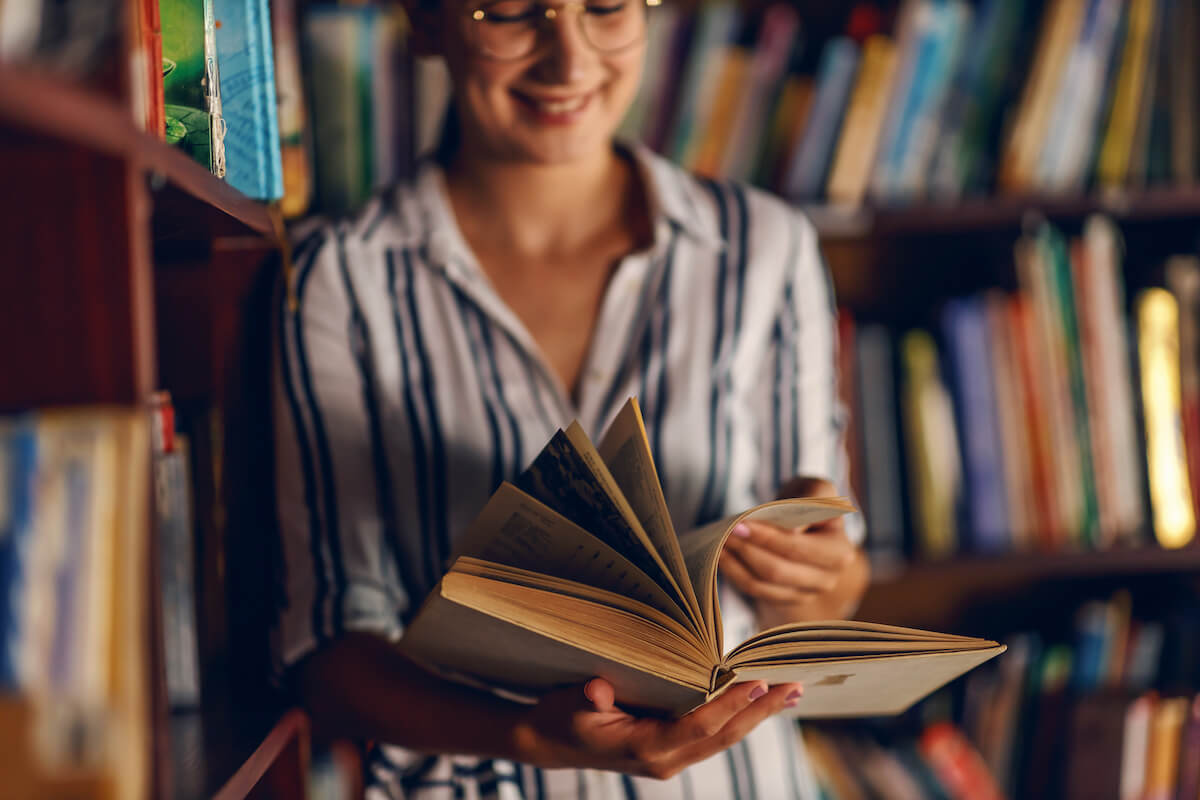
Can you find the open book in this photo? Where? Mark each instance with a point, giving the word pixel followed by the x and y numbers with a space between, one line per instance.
pixel 576 572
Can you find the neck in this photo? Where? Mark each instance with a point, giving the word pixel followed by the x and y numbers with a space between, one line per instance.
pixel 539 210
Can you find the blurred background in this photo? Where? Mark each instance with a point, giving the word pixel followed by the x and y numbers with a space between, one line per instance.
pixel 1006 193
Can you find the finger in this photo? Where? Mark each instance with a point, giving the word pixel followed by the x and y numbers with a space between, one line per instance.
pixel 708 720
pixel 770 567
pixel 601 694
pixel 741 724
pixel 829 550
pixel 746 582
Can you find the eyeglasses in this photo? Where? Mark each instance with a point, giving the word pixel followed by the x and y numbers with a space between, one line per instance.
pixel 507 30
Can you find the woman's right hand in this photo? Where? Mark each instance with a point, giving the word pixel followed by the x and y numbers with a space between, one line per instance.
pixel 577 727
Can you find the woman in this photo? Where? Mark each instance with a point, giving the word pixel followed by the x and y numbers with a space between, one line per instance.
pixel 542 274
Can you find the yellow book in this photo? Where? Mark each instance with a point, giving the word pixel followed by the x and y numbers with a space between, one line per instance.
pixel 1162 751
pixel 1060 29
pixel 1166 461
pixel 933 455
pixel 1116 153
pixel 576 571
pixel 709 142
pixel 863 127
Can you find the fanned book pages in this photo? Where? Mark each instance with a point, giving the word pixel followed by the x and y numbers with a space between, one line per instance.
pixel 577 572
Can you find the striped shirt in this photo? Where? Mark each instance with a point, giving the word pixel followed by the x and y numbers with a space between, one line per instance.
pixel 406 390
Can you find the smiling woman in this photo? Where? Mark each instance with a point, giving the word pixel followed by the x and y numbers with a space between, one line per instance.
pixel 536 272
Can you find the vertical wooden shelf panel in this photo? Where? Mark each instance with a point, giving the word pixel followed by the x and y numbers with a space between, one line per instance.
pixel 75 293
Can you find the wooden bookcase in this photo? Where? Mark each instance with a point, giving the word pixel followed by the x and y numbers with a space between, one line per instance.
pixel 129 268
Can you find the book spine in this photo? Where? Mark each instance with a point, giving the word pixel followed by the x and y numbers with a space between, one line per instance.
pixel 806 174
pixel 1158 351
pixel 18 495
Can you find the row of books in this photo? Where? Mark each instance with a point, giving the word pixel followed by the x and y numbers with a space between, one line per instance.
pixel 1107 709
pixel 1033 420
pixel 74 665
pixel 944 98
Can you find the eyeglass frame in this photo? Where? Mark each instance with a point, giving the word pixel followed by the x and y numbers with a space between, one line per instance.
pixel 476 15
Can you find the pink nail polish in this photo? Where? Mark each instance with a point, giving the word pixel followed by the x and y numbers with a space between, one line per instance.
pixel 757 692
pixel 741 530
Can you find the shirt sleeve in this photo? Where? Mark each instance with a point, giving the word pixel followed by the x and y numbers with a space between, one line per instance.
pixel 805 423
pixel 337 575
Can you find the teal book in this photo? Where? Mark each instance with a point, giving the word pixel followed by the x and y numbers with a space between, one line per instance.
pixel 248 105
pixel 191 82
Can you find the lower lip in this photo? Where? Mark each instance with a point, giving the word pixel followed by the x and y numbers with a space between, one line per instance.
pixel 543 117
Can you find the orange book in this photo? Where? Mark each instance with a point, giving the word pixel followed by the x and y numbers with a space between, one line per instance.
pixel 957 764
pixel 713 137
pixel 1033 404
pixel 150 41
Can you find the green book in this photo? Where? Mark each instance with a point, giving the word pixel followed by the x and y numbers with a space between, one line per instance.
pixel 191 82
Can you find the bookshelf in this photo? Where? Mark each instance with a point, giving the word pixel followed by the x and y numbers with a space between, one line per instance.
pixel 144 269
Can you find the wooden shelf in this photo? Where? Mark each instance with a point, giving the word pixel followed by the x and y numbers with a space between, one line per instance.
pixel 938 594
pixel 229 756
pixel 193 203
pixel 1001 213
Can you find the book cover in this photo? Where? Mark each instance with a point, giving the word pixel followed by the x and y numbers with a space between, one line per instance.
pixel 1183 280
pixel 880 446
pixel 248 98
pixel 191 82
pixel 977 99
pixel 18 493
pixel 965 331
pixel 716 26
pixel 931 442
pixel 777 39
pixel 859 142
pixel 1184 79
pixel 1013 422
pixel 1073 126
pixel 915 138
pixel 295 146
pixel 1116 152
pixel 1060 29
pixel 806 174
pixel 576 571
pixel 1166 455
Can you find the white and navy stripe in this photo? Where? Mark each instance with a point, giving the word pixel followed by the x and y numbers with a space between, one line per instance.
pixel 406 390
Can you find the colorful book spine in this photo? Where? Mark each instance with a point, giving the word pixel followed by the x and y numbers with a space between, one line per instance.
pixel 807 173
pixel 965 326
pixel 859 143
pixel 248 99
pixel 18 492
pixel 191 82
pixel 1166 458
pixel 295 146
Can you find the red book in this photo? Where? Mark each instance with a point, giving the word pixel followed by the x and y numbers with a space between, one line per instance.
pixel 957 764
pixel 150 32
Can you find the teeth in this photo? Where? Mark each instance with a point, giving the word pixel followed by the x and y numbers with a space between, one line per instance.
pixel 560 106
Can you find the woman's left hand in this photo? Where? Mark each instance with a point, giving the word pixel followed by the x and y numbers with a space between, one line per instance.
pixel 797 575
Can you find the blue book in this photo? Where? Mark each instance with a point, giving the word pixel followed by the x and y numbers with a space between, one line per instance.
pixel 835 81
pixel 964 324
pixel 18 473
pixel 248 98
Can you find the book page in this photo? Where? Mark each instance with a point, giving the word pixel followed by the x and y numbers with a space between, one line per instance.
pixel 584 492
pixel 873 685
pixel 467 644
pixel 701 547
pixel 516 530
pixel 626 453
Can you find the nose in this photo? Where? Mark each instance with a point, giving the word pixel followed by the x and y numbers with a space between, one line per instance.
pixel 567 54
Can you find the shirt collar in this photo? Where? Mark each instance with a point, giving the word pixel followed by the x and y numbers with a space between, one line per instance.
pixel 672 200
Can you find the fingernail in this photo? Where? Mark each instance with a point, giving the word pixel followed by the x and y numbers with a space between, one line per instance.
pixel 587 692
pixel 792 703
pixel 741 530
pixel 757 692
pixel 793 696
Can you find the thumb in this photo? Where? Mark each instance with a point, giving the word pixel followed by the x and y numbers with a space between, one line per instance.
pixel 601 694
